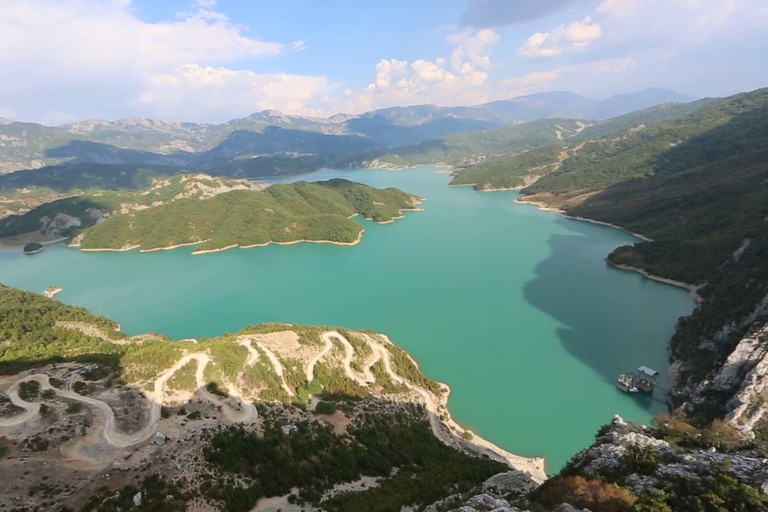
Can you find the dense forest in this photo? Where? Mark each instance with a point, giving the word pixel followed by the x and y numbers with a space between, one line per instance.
pixel 280 213
pixel 216 212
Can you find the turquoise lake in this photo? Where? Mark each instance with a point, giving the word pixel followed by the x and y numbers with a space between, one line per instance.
pixel 513 307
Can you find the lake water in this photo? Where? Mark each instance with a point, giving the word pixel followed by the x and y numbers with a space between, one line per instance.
pixel 513 307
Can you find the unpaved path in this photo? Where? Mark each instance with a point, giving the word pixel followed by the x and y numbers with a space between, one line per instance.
pixel 247 412
pixel 277 366
pixel 313 362
pixel 349 354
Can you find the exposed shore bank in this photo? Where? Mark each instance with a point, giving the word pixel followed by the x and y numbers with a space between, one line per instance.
pixel 547 208
pixel 692 289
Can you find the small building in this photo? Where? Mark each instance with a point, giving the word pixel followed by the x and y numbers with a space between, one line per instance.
pixel 644 380
pixel 289 429
pixel 159 439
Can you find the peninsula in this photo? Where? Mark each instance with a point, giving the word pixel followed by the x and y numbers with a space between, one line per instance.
pixel 307 392
pixel 213 213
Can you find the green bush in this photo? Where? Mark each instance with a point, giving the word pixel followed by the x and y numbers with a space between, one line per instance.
pixel 325 407
pixel 74 408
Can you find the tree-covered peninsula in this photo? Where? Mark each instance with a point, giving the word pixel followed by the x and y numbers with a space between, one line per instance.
pixel 215 213
pixel 316 212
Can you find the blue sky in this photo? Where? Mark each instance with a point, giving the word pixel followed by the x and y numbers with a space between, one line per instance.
pixel 208 60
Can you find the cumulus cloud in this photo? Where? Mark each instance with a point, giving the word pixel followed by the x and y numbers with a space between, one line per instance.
pixel 73 52
pixel 569 38
pixel 462 79
pixel 491 13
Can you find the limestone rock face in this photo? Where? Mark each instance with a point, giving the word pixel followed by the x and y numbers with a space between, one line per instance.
pixel 622 443
pixel 497 494
pixel 511 483
pixel 747 369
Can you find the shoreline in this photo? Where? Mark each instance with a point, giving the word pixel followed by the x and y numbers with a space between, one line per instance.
pixel 271 242
pixel 12 242
pixel 294 242
pixel 544 207
pixel 535 466
pixel 452 432
pixel 692 289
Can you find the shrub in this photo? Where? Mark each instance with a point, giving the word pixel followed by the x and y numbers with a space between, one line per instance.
pixel 74 408
pixel 213 387
pixel 80 387
pixel 595 495
pixel 29 390
pixel 722 436
pixel 325 407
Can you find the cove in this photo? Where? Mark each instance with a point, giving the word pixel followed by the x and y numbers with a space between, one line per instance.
pixel 513 307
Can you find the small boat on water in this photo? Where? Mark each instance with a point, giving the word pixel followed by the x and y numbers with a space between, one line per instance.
pixel 641 381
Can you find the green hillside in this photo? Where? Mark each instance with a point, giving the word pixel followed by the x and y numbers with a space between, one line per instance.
pixel 281 213
pixel 628 139
pixel 696 185
pixel 510 171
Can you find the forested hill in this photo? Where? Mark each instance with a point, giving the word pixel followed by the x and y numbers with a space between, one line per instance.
pixel 282 213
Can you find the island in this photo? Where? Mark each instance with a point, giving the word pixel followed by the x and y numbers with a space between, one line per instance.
pixel 33 248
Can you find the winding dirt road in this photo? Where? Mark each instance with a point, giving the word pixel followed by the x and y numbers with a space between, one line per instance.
pixel 446 430
pixel 246 414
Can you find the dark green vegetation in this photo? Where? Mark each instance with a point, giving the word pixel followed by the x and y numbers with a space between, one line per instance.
pixel 313 458
pixel 33 247
pixel 281 213
pixel 512 171
pixel 709 485
pixel 37 331
pixel 581 148
pixel 157 495
pixel 194 208
pixel 31 337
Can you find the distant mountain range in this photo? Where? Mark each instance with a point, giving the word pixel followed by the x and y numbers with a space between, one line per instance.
pixel 316 142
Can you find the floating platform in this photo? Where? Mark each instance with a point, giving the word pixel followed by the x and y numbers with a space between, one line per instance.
pixel 641 381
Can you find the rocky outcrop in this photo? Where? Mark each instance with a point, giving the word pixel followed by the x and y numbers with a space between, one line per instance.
pixel 746 370
pixel 634 456
pixel 499 494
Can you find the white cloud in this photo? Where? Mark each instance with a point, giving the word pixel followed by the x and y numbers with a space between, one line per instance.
pixel 230 93
pixel 573 37
pixel 95 55
pixel 460 80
